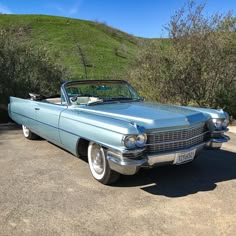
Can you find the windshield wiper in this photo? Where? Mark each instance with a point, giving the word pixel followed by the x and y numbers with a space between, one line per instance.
pixel 120 99
pixel 125 99
pixel 101 102
pixel 115 100
pixel 95 102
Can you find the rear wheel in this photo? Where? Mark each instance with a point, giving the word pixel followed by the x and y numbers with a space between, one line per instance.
pixel 99 165
pixel 28 134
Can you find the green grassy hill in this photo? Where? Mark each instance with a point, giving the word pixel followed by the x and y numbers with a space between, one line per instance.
pixel 81 46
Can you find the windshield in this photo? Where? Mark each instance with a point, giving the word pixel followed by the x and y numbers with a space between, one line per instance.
pixel 87 92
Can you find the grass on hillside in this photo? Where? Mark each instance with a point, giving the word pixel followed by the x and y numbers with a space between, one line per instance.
pixel 74 43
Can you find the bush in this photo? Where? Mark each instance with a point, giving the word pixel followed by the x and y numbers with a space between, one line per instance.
pixel 227 100
pixel 24 69
pixel 195 65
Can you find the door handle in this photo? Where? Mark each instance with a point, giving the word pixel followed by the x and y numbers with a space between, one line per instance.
pixel 36 108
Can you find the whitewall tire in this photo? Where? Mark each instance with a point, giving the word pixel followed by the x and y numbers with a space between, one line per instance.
pixel 99 165
pixel 28 134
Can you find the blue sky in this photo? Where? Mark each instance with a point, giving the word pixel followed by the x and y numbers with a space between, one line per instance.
pixel 144 18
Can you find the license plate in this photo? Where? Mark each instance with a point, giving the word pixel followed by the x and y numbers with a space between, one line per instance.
pixel 183 157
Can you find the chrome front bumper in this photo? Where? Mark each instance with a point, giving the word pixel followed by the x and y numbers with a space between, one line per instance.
pixel 128 166
pixel 216 143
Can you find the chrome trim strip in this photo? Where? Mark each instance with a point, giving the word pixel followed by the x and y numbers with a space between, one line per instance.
pixel 63 91
pixel 133 151
pixel 220 131
pixel 223 139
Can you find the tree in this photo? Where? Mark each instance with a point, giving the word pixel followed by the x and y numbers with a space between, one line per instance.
pixel 24 69
pixel 196 63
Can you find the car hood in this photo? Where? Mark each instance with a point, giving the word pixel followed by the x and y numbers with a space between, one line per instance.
pixel 148 115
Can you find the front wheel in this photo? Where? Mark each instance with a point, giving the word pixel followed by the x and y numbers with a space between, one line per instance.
pixel 99 165
pixel 28 134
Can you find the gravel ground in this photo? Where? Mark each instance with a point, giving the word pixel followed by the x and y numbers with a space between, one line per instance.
pixel 45 190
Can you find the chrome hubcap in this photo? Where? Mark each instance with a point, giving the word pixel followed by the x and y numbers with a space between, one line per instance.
pixel 26 131
pixel 97 159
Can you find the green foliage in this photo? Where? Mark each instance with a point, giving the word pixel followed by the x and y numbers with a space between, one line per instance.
pixel 151 71
pixel 34 49
pixel 195 66
pixel 24 69
pixel 226 99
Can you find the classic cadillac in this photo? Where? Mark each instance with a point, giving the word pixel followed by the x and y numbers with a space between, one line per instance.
pixel 107 122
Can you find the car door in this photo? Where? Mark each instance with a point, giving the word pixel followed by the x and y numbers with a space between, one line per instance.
pixel 48 116
pixel 23 111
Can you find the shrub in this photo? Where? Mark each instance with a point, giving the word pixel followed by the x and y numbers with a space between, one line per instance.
pixel 195 65
pixel 24 69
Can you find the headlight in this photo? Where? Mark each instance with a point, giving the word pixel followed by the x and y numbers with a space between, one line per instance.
pixel 141 140
pixel 132 141
pixel 220 124
pixel 225 123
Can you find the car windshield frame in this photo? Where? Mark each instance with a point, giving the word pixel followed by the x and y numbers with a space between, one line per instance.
pixel 72 89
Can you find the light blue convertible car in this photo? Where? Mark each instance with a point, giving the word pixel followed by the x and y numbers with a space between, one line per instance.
pixel 106 121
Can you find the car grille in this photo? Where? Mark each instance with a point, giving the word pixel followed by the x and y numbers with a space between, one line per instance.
pixel 176 140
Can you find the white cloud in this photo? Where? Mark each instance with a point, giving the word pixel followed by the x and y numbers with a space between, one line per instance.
pixel 68 10
pixel 74 9
pixel 4 9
